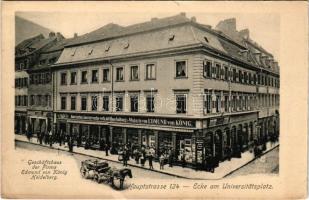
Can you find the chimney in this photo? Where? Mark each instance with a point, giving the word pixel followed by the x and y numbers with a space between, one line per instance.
pixel 51 34
pixel 228 27
pixel 257 56
pixel 244 33
pixel 75 35
pixel 59 36
pixel 154 19
pixel 193 19
pixel 183 14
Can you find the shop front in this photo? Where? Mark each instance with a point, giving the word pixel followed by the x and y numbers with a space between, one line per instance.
pixel 20 122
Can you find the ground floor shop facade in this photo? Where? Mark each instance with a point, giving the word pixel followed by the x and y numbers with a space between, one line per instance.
pixel 188 138
pixel 20 122
pixel 39 122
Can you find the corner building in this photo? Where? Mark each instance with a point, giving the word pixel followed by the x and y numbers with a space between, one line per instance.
pixel 166 83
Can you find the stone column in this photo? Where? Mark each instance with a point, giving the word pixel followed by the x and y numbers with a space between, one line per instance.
pixel 156 133
pixel 111 135
pixel 139 137
pixel 124 132
pixel 174 141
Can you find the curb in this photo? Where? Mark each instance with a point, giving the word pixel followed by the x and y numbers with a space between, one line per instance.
pixel 231 172
pixel 167 173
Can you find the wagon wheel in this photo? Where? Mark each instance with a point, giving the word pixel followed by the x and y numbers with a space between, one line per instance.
pixel 83 172
pixel 96 178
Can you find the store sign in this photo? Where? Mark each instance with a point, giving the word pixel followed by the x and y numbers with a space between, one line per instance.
pixel 139 120
pixel 218 121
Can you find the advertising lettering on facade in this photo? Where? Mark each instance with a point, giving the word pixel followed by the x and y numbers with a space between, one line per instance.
pixel 139 120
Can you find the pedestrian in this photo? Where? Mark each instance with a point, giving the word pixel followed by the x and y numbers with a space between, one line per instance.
pixel 106 149
pixel 41 137
pixel 150 158
pixel 228 152
pixel 70 143
pixel 161 160
pixel 183 159
pixel 125 157
pixel 50 135
pixel 143 158
pixel 136 155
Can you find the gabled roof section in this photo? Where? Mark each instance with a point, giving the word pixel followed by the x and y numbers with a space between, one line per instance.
pixel 114 30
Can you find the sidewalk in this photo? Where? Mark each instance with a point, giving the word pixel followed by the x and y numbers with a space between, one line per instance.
pixel 224 168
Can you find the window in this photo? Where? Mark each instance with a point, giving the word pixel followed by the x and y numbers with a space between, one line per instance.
pixel 73 78
pixel 119 104
pixel 25 100
pixel 218 66
pixel 150 71
pixel 240 76
pixel 226 73
pixel 134 72
pixel 119 74
pixel 84 77
pixel 73 102
pixel 105 103
pixel 218 103
pixel 181 100
pixel 134 103
pixel 94 103
pixel 49 100
pixel 226 103
pixel 39 100
pixel 245 77
pixel 106 75
pixel 207 101
pixel 94 77
pixel 181 69
pixel 63 102
pixel 207 69
pixel 84 103
pixel 234 103
pixel 63 78
pixel 48 77
pixel 150 103
pixel 234 75
pixel 32 100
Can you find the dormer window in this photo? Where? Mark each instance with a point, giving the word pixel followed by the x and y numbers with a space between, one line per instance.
pixel 126 45
pixel 206 39
pixel 73 53
pixel 171 37
pixel 90 52
pixel 107 47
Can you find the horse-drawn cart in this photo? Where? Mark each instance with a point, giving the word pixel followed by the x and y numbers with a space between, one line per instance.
pixel 100 171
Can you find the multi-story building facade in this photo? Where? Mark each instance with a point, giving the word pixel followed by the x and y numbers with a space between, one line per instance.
pixel 170 83
pixel 26 55
pixel 40 90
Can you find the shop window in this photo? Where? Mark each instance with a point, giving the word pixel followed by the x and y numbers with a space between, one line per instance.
pixel 73 102
pixel 181 69
pixel 181 101
pixel 94 76
pixel 84 103
pixel 134 72
pixel 207 68
pixel 207 101
pixel 63 102
pixel 73 78
pixel 119 103
pixel 106 103
pixel 218 67
pixel 94 103
pixel 63 78
pixel 150 71
pixel 134 103
pixel 105 74
pixel 150 103
pixel 84 77
pixel 119 74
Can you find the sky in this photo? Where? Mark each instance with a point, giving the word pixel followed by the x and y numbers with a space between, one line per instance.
pixel 264 28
